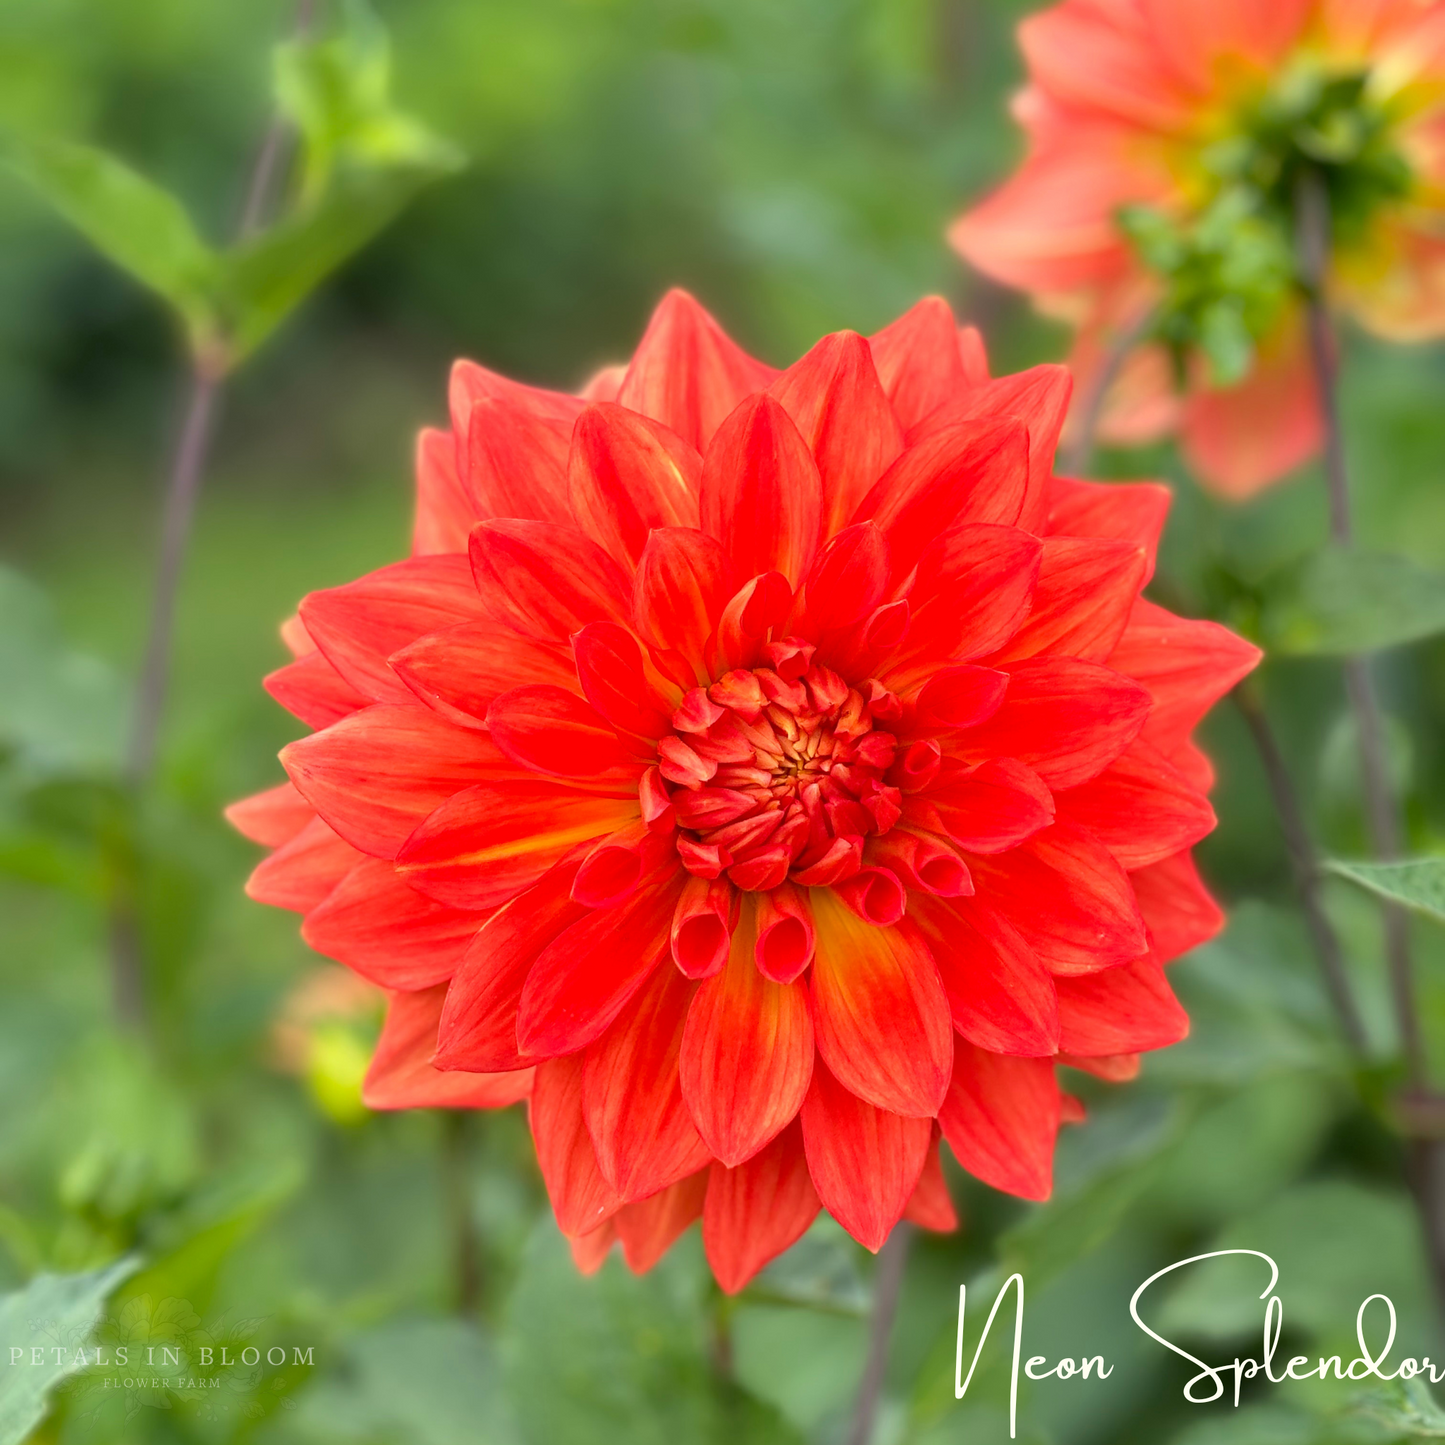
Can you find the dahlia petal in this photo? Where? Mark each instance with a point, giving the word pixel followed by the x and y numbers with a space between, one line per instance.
pixel 1039 398
pixel 582 1199
pixel 1192 35
pixel 876 895
pixel 478 1027
pixel 930 1206
pixel 487 843
pixel 444 511
pixel 879 1009
pixel 974 588
pixel 471 383
pixel 1052 226
pixel 604 383
pixel 785 933
pixel 585 977
pixel 632 1095
pixel 918 360
pixel 761 494
pixel 1240 439
pixel 850 577
pixel 610 669
pixel 1001 1117
pixel 302 871
pixel 834 396
pixel 756 608
pixel 1111 511
pixel 702 926
pixel 864 1161
pixel 1108 60
pixel 461 671
pixel 976 471
pixel 960 697
pixel 987 809
pixel 377 926
pixel 684 580
pixel 754 1212
pixel 516 462
pixel 924 863
pixel 1176 906
pixel 294 635
pixel 357 627
pixel 1067 719
pixel 650 1227
pixel 617 864
pixel 1112 1068
pixel 1000 996
pixel 687 373
pixel 1124 1010
pixel 590 1251
pixel 271 818
pixel 1069 899
pixel 747 1055
pixel 401 1075
pixel 1139 807
pixel 550 730
pixel 1186 665
pixel 545 581
pixel 1085 593
pixel 312 690
pixel 628 474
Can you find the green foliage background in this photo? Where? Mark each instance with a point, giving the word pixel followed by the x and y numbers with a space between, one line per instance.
pixel 794 164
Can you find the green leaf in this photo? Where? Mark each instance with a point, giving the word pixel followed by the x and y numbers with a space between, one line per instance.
pixel 1418 883
pixel 363 160
pixel 1341 603
pixel 1404 1407
pixel 425 1381
pixel 620 1357
pixel 52 1317
pixel 134 222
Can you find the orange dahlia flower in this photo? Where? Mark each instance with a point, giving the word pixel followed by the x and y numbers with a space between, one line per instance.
pixel 762 774
pixel 1171 105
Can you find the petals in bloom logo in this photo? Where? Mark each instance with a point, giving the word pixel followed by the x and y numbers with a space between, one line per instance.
pixel 160 1355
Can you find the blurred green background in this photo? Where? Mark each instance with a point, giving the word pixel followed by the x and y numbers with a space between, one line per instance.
pixel 795 165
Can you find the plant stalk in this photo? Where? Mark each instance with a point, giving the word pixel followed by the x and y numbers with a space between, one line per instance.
pixel 887 1285
pixel 1305 863
pixel 456 1187
pixel 1425 1163
pixel 186 475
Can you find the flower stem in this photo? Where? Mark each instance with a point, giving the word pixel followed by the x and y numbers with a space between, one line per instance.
pixel 1305 862
pixel 456 1186
pixel 1080 450
pixel 187 472
pixel 887 1284
pixel 1382 814
pixel 1426 1152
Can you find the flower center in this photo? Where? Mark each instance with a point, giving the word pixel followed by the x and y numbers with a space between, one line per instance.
pixel 778 772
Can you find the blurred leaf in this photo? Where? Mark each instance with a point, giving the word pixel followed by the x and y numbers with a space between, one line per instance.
pixel 1273 1424
pixel 1340 603
pixel 54 1314
pixel 1418 883
pixel 132 221
pixel 427 1382
pixel 1335 1243
pixel 362 162
pixel 1101 1169
pixel 621 1357
pixel 1256 1007
pixel 60 711
pixel 1406 1408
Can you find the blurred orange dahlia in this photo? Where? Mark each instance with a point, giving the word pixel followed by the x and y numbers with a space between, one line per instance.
pixel 761 773
pixel 1170 105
